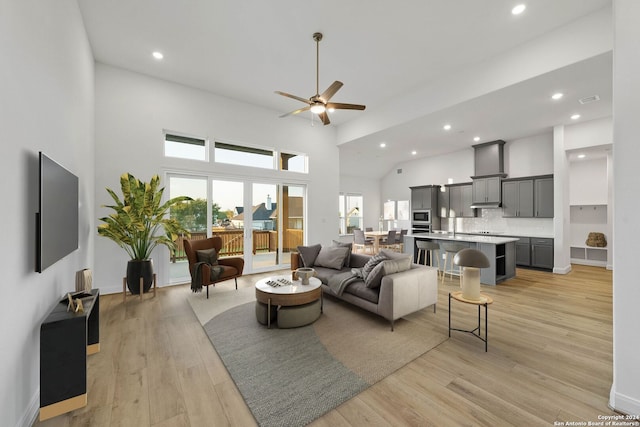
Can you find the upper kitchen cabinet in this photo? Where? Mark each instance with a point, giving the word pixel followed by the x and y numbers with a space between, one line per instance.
pixel 489 171
pixel 486 190
pixel 528 197
pixel 517 198
pixel 443 202
pixel 424 197
pixel 460 201
pixel 543 197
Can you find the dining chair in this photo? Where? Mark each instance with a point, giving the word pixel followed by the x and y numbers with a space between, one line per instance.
pixel 359 241
pixel 390 241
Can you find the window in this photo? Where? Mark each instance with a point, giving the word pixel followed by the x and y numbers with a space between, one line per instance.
pixel 350 212
pixel 185 147
pixel 293 162
pixel 243 156
pixel 265 158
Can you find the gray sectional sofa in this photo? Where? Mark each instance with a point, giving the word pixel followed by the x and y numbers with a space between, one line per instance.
pixel 398 293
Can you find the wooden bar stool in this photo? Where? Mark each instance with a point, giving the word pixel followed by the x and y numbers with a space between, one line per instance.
pixel 424 246
pixel 450 250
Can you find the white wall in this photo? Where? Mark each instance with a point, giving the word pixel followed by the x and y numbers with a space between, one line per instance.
pixel 47 102
pixel 131 112
pixel 529 156
pixel 625 392
pixel 457 166
pixel 588 182
pixel 592 133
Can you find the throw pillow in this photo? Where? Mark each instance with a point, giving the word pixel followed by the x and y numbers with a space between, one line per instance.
pixel 372 263
pixel 331 257
pixel 374 278
pixel 309 254
pixel 210 256
pixel 394 255
pixel 344 245
pixel 399 265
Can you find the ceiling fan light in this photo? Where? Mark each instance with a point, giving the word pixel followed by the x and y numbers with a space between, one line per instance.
pixel 318 108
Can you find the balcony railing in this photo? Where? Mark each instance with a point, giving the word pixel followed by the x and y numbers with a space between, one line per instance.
pixel 233 242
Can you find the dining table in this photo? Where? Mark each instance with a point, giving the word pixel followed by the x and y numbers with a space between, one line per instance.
pixel 377 236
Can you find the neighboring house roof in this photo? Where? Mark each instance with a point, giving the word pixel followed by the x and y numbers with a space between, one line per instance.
pixel 261 213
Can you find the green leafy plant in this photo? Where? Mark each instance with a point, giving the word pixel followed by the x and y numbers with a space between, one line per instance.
pixel 140 222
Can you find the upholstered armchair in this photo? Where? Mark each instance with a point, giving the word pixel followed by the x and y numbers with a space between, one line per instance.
pixel 232 266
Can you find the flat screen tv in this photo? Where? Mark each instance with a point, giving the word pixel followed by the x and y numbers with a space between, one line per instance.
pixel 57 219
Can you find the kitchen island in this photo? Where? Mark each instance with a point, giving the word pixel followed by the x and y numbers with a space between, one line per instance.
pixel 501 252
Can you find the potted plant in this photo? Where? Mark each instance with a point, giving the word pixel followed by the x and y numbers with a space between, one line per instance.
pixel 139 223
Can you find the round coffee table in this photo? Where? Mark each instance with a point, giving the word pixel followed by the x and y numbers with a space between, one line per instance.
pixel 284 292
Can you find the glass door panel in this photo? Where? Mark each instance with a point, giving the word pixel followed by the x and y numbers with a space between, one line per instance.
pixel 227 216
pixel 292 219
pixel 192 215
pixel 264 226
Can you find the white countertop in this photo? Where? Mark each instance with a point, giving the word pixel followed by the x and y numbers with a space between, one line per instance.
pixel 459 237
pixel 504 234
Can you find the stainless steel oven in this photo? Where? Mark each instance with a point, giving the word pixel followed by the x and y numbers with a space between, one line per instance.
pixel 418 227
pixel 421 216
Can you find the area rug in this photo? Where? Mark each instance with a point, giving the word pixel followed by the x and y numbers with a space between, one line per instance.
pixel 289 377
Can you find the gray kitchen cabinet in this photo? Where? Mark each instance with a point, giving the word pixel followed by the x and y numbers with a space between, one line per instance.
pixel 455 201
pixel 467 201
pixel 542 253
pixel 424 197
pixel 543 197
pixel 486 190
pixel 523 252
pixel 443 202
pixel 460 201
pixel 517 198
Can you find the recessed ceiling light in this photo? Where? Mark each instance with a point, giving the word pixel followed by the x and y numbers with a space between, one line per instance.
pixel 557 95
pixel 158 55
pixel 447 127
pixel 582 156
pixel 575 117
pixel 476 138
pixel 414 152
pixel 518 9
pixel 382 145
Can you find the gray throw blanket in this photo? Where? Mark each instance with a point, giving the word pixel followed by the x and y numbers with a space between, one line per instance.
pixel 196 276
pixel 339 282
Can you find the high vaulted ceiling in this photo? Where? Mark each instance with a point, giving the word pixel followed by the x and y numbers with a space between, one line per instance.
pixel 393 57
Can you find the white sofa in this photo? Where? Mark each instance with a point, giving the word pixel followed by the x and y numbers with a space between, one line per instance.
pixel 399 294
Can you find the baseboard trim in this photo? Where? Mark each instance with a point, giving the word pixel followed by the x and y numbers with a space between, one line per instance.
pixel 623 403
pixel 562 270
pixel 31 414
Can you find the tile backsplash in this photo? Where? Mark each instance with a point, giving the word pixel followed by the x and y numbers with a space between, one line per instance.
pixel 492 220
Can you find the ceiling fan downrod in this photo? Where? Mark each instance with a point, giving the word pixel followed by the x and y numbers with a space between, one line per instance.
pixel 317 37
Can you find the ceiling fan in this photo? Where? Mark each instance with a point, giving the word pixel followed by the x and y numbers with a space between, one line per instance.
pixel 319 103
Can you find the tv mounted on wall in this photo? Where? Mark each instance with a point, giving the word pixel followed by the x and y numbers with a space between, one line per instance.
pixel 57 219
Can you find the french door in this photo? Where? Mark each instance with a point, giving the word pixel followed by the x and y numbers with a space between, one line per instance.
pixel 258 220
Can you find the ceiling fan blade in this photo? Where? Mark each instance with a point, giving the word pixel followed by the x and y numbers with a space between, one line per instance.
pixel 340 106
pixel 296 111
pixel 331 90
pixel 288 95
pixel 325 118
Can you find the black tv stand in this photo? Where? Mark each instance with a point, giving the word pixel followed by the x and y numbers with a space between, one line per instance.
pixel 66 339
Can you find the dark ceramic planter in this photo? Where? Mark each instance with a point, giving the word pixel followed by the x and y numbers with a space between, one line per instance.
pixel 137 269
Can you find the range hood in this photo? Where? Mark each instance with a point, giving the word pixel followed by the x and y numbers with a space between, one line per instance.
pixel 486 205
pixel 489 163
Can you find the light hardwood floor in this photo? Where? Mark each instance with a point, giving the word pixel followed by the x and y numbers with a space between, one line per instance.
pixel 549 359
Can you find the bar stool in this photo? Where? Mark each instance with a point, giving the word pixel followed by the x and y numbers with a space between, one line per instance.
pixel 423 247
pixel 451 249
